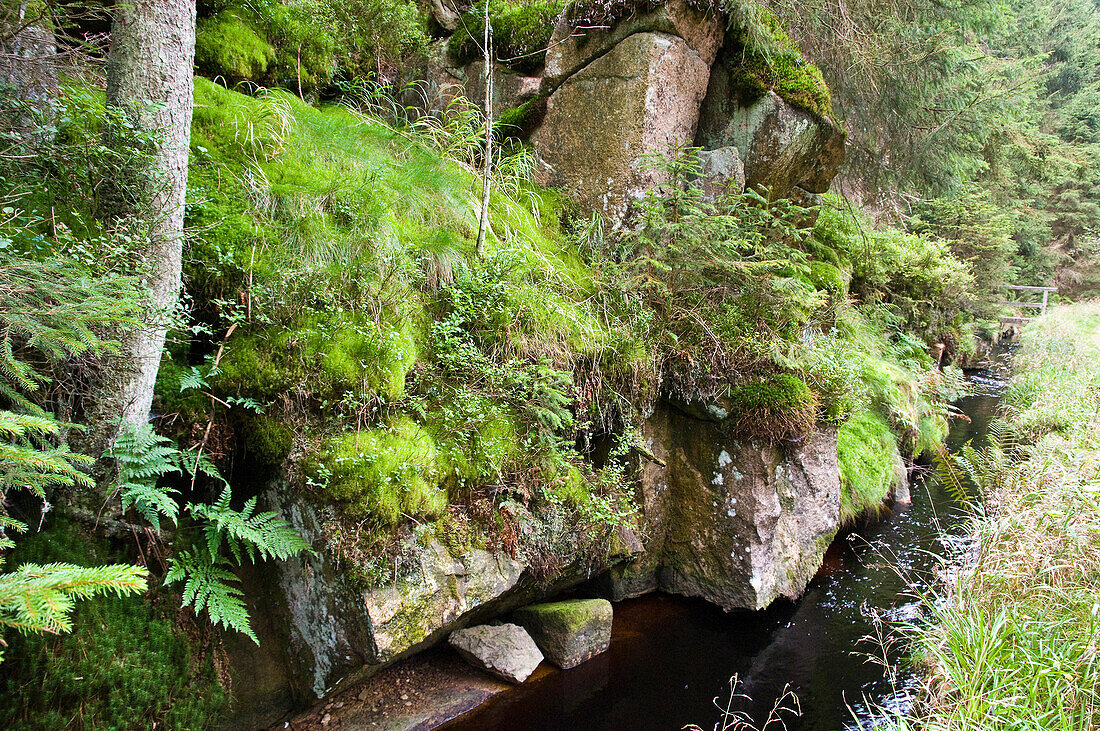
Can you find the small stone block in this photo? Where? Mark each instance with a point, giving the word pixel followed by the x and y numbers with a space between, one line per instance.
pixel 569 632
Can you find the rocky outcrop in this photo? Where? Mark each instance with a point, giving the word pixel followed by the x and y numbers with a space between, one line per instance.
pixel 569 632
pixel 504 650
pixel 723 173
pixel 575 44
pixel 320 629
pixel 640 97
pixel 789 151
pixel 737 523
pixel 437 81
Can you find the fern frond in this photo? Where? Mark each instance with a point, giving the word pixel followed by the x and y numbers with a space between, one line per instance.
pixel 265 534
pixel 143 457
pixel 210 586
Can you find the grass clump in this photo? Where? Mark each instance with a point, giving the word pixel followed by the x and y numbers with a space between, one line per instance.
pixel 1015 645
pixel 124 666
pixel 868 452
pixel 775 407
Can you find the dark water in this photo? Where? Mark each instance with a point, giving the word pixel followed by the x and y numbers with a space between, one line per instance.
pixel 670 656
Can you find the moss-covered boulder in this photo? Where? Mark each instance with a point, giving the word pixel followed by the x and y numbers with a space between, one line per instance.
pixel 638 98
pixel 504 650
pixel 589 30
pixel 569 632
pixel 789 151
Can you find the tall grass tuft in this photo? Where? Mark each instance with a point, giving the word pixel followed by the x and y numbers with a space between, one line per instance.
pixel 1015 646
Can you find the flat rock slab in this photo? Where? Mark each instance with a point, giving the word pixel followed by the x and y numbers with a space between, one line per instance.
pixel 569 632
pixel 506 651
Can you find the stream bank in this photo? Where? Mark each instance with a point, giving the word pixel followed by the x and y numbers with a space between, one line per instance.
pixel 670 656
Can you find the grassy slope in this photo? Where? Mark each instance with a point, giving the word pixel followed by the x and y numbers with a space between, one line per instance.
pixel 1017 648
pixel 352 245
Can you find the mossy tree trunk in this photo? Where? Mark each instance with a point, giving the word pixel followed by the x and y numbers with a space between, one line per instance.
pixel 150 78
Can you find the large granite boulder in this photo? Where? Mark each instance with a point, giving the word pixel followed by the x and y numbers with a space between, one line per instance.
pixel 577 42
pixel 789 151
pixel 640 97
pixel 722 173
pixel 505 650
pixel 734 522
pixel 569 632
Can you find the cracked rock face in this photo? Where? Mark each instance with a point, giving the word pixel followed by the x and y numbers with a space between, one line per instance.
pixel 504 650
pixel 736 523
pixel 640 97
pixel 791 152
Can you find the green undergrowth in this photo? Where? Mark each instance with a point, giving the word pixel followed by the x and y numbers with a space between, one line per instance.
pixel 366 351
pixel 125 665
pixel 868 452
pixel 1013 644
pixel 403 373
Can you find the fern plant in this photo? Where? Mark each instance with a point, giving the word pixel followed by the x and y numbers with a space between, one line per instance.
pixel 143 457
pixel 208 581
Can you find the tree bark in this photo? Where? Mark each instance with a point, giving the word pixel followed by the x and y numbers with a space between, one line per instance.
pixel 150 76
pixel 486 174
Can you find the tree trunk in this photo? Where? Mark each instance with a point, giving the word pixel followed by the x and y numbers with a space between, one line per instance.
pixel 486 174
pixel 150 76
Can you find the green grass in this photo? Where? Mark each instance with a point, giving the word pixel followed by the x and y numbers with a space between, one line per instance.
pixel 868 452
pixel 1016 647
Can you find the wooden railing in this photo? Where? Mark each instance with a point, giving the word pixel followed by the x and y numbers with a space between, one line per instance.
pixel 1040 306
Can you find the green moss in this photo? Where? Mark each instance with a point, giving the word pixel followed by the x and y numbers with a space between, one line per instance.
pixel 268 441
pixel 868 453
pixel 774 407
pixel 776 64
pixel 386 473
pixel 123 666
pixel 827 277
pixel 228 46
pixel 327 356
pixel 521 121
pixel 521 31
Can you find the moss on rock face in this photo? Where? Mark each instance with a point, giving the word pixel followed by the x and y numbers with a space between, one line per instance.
pixel 385 473
pixel 124 665
pixel 829 278
pixel 521 31
pixel 868 452
pixel 569 632
pixel 776 65
pixel 228 46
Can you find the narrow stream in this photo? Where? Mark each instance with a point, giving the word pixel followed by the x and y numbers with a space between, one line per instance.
pixel 670 656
